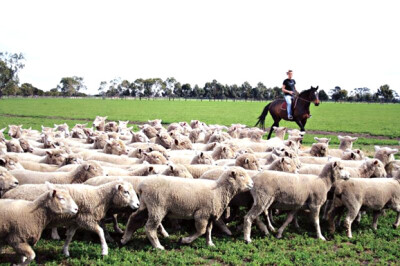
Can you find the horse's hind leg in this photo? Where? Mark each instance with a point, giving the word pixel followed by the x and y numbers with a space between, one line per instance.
pixel 275 124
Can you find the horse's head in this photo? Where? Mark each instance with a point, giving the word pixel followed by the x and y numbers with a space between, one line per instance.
pixel 312 95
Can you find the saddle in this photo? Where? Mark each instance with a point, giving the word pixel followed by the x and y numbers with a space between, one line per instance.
pixel 284 104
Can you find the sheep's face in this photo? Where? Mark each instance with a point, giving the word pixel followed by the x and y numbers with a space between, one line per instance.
pixel 287 165
pixel 203 158
pixel 155 157
pixel 164 139
pixel 13 146
pixel 149 171
pixel 10 162
pixel 73 159
pixel 377 167
pixel 7 181
pixel 195 124
pixel 280 132
pixel 100 141
pixel 177 170
pixel 322 140
pixel 223 152
pixel 88 132
pixel 62 128
pixel 194 135
pixel 346 142
pixel 182 144
pixel 238 178
pixel 385 154
pixel 111 127
pixel 123 124
pixel 354 155
pixel 26 147
pixel 256 136
pixel 319 150
pixel 56 157
pixel 78 133
pixel 136 153
pixel 14 131
pixel 99 123
pixel 115 147
pixel 139 137
pixel 292 155
pixel 248 161
pixel 217 137
pixel 61 202
pixel 338 171
pixel 89 169
pixel 124 196
pixel 156 123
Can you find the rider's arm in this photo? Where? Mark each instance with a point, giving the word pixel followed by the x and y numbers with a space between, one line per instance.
pixel 284 90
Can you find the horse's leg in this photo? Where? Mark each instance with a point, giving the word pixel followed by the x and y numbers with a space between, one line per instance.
pixel 275 124
pixel 300 124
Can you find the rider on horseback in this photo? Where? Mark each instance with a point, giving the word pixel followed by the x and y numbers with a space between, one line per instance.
pixel 289 89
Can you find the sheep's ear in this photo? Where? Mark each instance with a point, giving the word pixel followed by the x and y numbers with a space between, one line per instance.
pixel 358 151
pixel 151 168
pixel 376 162
pixel 316 138
pixel 20 126
pixel 54 193
pixel 246 160
pixel 393 151
pixel 2 162
pixel 340 137
pixel 352 156
pixel 176 142
pixel 282 159
pixel 49 152
pixel 171 167
pixel 140 151
pixel 158 135
pixel 105 118
pixel 224 148
pixel 119 187
pixel 233 174
pixel 286 154
pixel 354 139
pixel 87 167
pixel 201 154
pixel 335 163
pixel 377 148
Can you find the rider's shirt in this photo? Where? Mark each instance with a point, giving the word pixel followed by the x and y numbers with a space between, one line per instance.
pixel 289 85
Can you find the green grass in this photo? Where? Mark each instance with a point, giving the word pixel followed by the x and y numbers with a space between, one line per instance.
pixel 297 247
pixel 374 119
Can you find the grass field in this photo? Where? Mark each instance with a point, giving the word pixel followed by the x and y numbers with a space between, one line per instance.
pixel 297 246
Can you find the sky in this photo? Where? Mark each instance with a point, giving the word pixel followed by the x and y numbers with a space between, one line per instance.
pixel 326 43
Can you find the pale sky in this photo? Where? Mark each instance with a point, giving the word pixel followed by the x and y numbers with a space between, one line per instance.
pixel 336 43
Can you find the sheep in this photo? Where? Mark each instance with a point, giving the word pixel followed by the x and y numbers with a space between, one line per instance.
pixel 149 131
pixel 156 123
pixel 317 150
pixel 164 139
pixel 247 161
pixel 385 154
pixel 182 143
pixel 116 147
pixel 139 137
pixel 202 158
pixel 346 142
pixel 25 145
pixel 111 127
pixel 322 140
pixel 375 194
pixel 54 156
pixel 296 133
pixel 291 192
pixel 10 162
pixel 13 146
pixel 7 181
pixel 370 168
pixel 352 155
pixel 100 141
pixel 177 170
pixel 93 203
pixel 195 134
pixel 22 222
pixel 154 157
pixel 78 133
pixel 392 168
pixel 82 173
pixel 15 131
pixel 149 147
pixel 201 200
pixel 99 123
pixel 222 152
pixel 63 127
pixel 196 170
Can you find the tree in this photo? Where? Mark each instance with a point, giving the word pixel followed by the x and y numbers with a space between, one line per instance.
pixel 277 92
pixel 359 93
pixel 246 90
pixel 186 90
pixel 10 65
pixel 27 89
pixel 384 92
pixel 323 96
pixel 102 87
pixel 70 86
pixel 338 94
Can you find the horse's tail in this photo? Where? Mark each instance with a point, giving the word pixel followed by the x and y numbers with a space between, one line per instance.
pixel 261 118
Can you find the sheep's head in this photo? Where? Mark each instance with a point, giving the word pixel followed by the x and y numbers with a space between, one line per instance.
pixel 100 141
pixel 63 128
pixel 280 132
pixel 88 170
pixel 13 146
pixel 385 154
pixel 223 152
pixel 319 149
pixel 10 162
pixel 392 168
pixel 59 201
pixel 116 147
pixel 376 167
pixel 139 137
pixel 182 143
pixel 334 171
pixel 295 133
pixel 99 122
pixel 346 142
pixel 123 124
pixel 284 164
pixel 355 155
pixel 14 131
pixel 322 140
pixel 7 181
pixel 237 178
pixel 124 195
pixel 247 161
pixel 243 151
pixel 194 135
pixel 144 171
pixel 73 159
pixel 24 143
pixel 136 153
pixel 56 156
pixel 202 158
pixel 164 139
pixel 154 157
pixel 177 170
pixel 78 133
pixel 159 148
pixel 156 123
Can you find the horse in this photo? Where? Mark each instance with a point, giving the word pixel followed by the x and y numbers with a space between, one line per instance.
pixel 300 107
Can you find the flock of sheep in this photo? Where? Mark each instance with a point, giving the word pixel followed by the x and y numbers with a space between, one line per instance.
pixel 84 177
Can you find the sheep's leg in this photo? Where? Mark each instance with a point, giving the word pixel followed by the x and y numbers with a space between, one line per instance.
pixel 269 221
pixel 54 234
pixel 261 226
pixel 333 214
pixel 315 217
pixel 162 230
pixel 208 234
pixel 117 229
pixel 100 233
pixel 327 207
pixel 289 219
pixel 201 227
pixel 222 226
pixel 69 235
pixel 397 223
pixel 151 230
pixel 352 212
pixel 26 252
pixel 254 212
pixel 296 223
pixel 136 220
pixel 375 219
pixel 106 233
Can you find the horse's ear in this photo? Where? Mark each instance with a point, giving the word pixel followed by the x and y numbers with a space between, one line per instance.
pixel 316 88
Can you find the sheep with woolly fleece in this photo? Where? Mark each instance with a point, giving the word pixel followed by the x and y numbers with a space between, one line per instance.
pixel 202 158
pixel 63 128
pixel 247 161
pixel 82 173
pixel 10 162
pixel 346 142
pixel 71 159
pixel 291 192
pixel 182 143
pixel 316 150
pixel 223 151
pixel 22 222
pixel 139 137
pixel 156 123
pixel 375 194
pixel 53 156
pixel 111 127
pixel 99 123
pixel 177 170
pixel 195 135
pixel 13 145
pixel 369 168
pixel 93 202
pixel 26 145
pixel 392 168
pixel 322 140
pixel 7 181
pixel 164 139
pixel 352 155
pixel 15 131
pixel 115 147
pixel 201 200
pixel 149 131
pixel 385 154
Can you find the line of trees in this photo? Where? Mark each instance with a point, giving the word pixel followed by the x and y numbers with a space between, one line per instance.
pixel 11 64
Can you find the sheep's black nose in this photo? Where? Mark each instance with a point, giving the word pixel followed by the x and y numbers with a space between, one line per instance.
pixel 16 183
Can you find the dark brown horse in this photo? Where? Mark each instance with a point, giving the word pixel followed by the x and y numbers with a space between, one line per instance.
pixel 301 109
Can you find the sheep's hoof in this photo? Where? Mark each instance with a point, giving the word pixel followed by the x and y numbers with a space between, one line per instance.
pixel 66 253
pixel 248 241
pixel 160 247
pixel 210 244
pixel 322 238
pixel 279 236
pixel 104 253
pixel 395 226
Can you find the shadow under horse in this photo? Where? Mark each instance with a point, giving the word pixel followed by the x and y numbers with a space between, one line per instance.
pixel 300 109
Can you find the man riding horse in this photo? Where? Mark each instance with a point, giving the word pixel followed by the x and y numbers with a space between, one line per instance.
pixel 282 108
